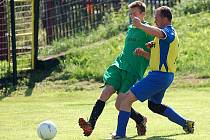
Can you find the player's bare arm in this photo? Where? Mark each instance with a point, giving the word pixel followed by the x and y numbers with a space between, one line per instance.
pixel 152 30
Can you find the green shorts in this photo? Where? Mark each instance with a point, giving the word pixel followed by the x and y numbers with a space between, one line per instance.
pixel 121 80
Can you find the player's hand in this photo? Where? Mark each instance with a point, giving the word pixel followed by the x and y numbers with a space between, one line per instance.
pixel 139 52
pixel 150 44
pixel 136 21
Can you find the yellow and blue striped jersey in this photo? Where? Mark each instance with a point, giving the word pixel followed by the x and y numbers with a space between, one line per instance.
pixel 165 51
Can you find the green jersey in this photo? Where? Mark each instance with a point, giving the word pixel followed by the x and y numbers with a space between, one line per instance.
pixel 127 60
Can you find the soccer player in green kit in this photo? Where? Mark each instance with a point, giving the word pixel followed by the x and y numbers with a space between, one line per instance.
pixel 124 72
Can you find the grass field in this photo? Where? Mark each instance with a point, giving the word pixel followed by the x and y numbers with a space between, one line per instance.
pixel 20 114
pixel 69 90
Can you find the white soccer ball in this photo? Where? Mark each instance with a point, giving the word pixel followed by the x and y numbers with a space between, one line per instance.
pixel 46 130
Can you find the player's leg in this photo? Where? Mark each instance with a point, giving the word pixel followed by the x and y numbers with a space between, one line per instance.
pixel 111 78
pixel 136 116
pixel 154 102
pixel 155 105
pixel 172 115
pixel 89 125
pixel 166 111
pixel 128 80
pixel 141 91
pixel 111 75
pixel 100 104
pixel 124 114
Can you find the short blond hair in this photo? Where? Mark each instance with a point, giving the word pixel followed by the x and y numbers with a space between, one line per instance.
pixel 139 4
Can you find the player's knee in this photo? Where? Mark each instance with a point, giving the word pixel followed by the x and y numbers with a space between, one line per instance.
pixel 106 94
pixel 119 99
pixel 104 97
pixel 127 100
pixel 157 108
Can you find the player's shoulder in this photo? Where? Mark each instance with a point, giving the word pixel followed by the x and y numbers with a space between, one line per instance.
pixel 170 28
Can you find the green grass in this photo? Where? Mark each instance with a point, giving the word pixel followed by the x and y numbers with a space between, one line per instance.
pixel 4 68
pixel 192 7
pixel 88 55
pixel 20 114
pixel 193 31
pixel 62 93
pixel 23 63
pixel 90 61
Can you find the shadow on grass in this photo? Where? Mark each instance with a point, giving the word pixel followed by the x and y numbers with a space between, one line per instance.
pixel 44 70
pixel 5 94
pixel 73 105
pixel 166 137
pixel 7 90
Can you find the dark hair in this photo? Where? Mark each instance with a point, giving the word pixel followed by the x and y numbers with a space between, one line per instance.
pixel 139 4
pixel 165 11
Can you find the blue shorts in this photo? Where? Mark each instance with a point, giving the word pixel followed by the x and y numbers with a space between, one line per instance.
pixel 153 86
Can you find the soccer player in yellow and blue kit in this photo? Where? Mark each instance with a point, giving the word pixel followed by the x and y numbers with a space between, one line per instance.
pixel 162 63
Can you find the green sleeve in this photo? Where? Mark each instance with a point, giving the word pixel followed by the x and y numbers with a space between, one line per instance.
pixel 150 38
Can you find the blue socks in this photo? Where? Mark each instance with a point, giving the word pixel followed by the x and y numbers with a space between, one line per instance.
pixel 123 118
pixel 174 117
